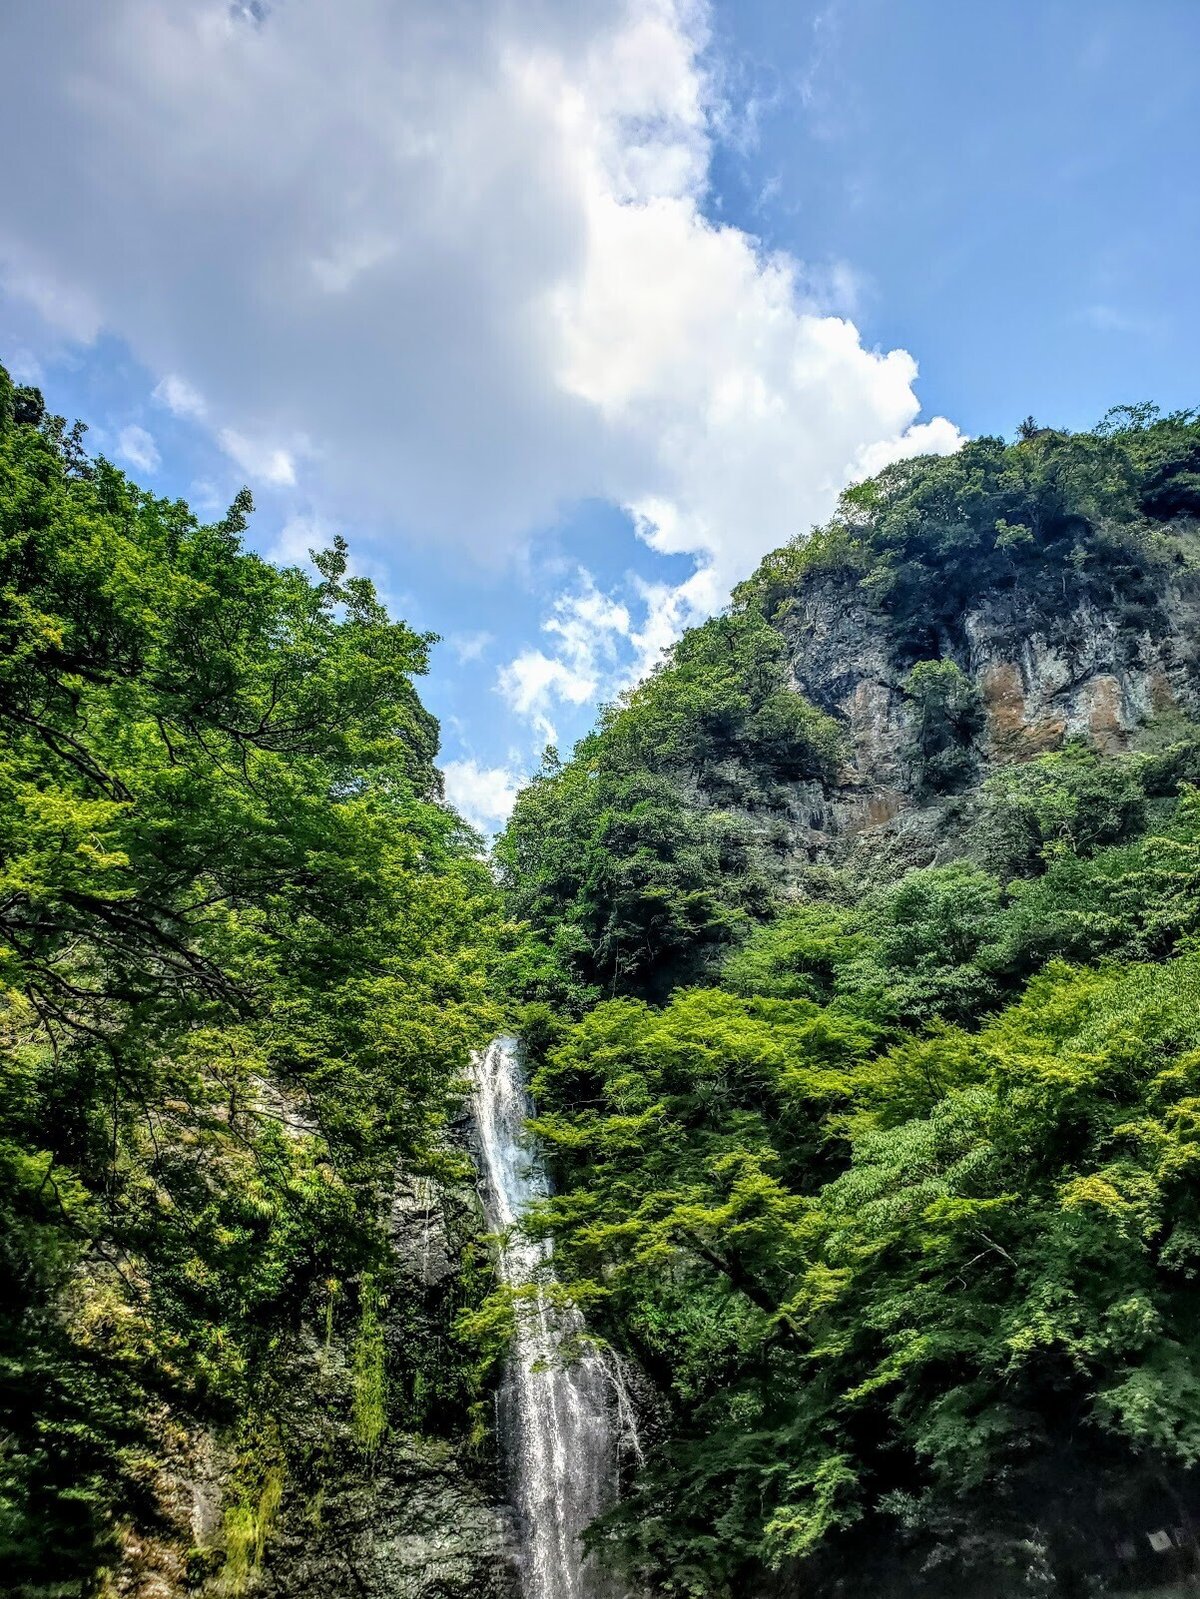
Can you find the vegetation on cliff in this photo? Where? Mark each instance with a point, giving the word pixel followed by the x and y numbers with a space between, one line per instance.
pixel 642 858
pixel 635 861
pixel 244 952
pixel 895 1196
pixel 1052 513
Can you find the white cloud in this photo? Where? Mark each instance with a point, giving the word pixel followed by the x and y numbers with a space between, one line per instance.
pixel 483 794
pixel 587 629
pixel 463 252
pixel 938 437
pixel 262 463
pixel 533 680
pixel 180 398
pixel 602 645
pixel 296 538
pixel 205 498
pixel 668 609
pixel 469 646
pixel 24 367
pixel 587 623
pixel 1112 319
pixel 137 447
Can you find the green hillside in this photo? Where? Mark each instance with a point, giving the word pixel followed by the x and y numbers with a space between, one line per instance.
pixel 885 1174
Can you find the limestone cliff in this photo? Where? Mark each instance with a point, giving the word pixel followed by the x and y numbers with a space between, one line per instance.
pixel 1097 667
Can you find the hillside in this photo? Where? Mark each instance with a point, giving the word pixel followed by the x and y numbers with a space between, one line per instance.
pixel 957 615
pixel 862 992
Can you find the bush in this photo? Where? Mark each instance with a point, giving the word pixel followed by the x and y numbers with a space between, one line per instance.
pixel 945 719
pixel 1067 803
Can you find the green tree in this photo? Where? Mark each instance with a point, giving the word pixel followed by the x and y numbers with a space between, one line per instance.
pixel 946 718
pixel 245 952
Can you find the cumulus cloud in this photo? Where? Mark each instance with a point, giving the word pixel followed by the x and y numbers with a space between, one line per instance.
pixel 586 629
pixel 137 448
pixel 483 794
pixel 938 437
pixel 459 251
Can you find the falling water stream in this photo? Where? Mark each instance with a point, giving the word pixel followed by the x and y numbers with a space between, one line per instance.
pixel 558 1419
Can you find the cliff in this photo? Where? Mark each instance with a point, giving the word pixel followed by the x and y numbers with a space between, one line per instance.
pixel 1093 669
pixel 1082 671
pixel 958 615
pixel 416 1511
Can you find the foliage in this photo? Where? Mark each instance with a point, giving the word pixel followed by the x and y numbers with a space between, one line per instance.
pixel 1056 515
pixel 947 716
pixel 930 1289
pixel 1066 803
pixel 248 1524
pixel 369 1375
pixel 643 856
pixel 900 1215
pixel 638 862
pixel 954 941
pixel 244 951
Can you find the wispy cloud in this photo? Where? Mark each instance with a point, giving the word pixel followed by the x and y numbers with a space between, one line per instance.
pixel 136 447
pixel 469 646
pixel 585 628
pixel 180 398
pixel 1114 319
pixel 260 461
pixel 600 644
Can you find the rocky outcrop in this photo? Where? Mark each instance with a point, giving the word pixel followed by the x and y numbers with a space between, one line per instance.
pixel 413 1523
pixel 418 1515
pixel 1094 667
pixel 422 1515
pixel 1086 674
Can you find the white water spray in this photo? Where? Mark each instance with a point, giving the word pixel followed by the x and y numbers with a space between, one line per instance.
pixel 559 1422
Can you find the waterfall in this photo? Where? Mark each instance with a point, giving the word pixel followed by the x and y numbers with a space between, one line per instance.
pixel 558 1421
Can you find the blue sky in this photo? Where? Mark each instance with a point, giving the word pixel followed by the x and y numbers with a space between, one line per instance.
pixel 565 315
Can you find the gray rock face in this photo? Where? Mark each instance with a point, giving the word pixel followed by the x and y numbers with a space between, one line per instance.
pixel 415 1524
pixel 1088 675
pixel 1096 668
pixel 424 1250
pixel 422 1516
pixel 838 659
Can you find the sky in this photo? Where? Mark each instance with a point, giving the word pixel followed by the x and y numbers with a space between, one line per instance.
pixel 566 313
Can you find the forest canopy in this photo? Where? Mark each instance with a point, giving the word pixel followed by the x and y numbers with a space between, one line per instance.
pixel 879 1173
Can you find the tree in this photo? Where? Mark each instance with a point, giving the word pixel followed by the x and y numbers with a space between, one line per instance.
pixel 245 953
pixel 946 718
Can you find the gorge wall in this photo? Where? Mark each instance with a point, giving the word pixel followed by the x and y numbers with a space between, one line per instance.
pixel 1090 667
pixel 863 1005
pixel 1095 669
pixel 419 1514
